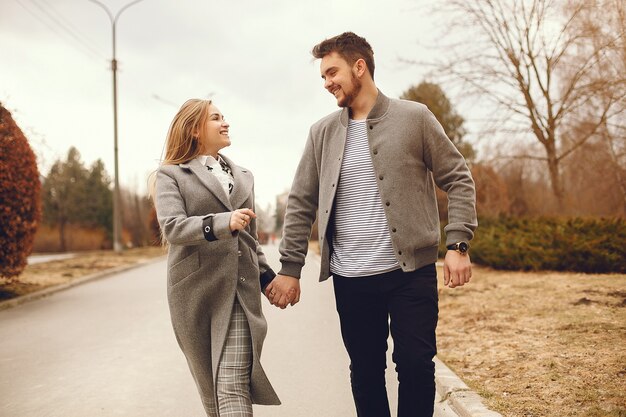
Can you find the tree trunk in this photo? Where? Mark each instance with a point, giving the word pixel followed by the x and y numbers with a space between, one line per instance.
pixel 62 235
pixel 555 176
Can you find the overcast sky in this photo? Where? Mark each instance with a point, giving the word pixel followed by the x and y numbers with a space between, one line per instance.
pixel 252 57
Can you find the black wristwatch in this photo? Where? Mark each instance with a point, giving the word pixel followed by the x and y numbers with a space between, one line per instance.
pixel 461 247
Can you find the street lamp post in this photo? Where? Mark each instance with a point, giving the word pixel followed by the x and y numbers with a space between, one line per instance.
pixel 117 245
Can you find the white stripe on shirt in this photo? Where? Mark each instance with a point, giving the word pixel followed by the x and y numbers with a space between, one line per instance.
pixel 361 241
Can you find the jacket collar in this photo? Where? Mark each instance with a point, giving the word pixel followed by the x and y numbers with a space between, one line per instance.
pixel 208 180
pixel 380 108
pixel 242 186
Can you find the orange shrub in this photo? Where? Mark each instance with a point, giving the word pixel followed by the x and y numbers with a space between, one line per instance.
pixel 20 205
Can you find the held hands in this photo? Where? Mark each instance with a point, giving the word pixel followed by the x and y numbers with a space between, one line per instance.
pixel 240 219
pixel 457 269
pixel 283 290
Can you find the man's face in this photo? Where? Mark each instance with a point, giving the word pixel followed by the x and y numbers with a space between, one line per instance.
pixel 340 79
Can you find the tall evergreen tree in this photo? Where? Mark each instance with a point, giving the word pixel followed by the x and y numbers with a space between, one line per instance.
pixel 437 102
pixel 73 194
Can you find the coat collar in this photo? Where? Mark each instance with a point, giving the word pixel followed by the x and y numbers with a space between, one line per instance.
pixel 380 108
pixel 242 186
pixel 243 183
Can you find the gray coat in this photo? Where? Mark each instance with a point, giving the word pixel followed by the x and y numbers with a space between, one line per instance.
pixel 204 277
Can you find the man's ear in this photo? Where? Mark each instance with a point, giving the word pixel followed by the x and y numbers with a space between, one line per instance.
pixel 360 67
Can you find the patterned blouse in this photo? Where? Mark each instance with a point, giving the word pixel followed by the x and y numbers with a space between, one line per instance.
pixel 220 169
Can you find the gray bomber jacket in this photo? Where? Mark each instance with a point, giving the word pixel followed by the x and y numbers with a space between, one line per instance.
pixel 410 153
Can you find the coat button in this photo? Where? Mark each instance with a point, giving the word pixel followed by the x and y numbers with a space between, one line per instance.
pixel 393 230
pixel 242 279
pixel 371 127
pixel 207 229
pixel 399 252
pixel 239 253
pixel 375 151
pixel 387 203
pixel 380 177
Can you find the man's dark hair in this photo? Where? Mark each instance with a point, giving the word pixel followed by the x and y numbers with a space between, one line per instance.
pixel 350 47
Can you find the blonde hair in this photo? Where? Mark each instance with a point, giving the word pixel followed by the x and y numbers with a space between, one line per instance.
pixel 183 136
pixel 182 142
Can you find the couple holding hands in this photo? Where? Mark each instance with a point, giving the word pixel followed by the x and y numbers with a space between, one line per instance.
pixel 368 173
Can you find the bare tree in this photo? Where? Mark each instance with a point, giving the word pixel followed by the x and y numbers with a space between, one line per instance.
pixel 518 54
pixel 600 21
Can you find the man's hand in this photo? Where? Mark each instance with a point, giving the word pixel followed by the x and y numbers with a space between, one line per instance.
pixel 283 290
pixel 457 269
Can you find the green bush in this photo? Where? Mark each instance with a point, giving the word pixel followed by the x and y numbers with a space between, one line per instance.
pixel 532 244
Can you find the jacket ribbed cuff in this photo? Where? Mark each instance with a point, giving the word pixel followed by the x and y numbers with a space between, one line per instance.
pixel 455 236
pixel 291 269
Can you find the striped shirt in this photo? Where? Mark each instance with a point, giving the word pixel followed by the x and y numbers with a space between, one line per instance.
pixel 361 241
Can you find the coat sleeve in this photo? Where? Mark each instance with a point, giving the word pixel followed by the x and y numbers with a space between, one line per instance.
pixel 266 273
pixel 452 175
pixel 179 228
pixel 300 213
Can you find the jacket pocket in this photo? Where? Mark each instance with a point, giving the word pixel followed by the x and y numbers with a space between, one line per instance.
pixel 184 268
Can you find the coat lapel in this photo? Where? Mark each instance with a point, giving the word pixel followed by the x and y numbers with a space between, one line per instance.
pixel 208 180
pixel 242 189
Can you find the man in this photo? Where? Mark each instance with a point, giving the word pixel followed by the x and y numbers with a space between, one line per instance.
pixel 370 169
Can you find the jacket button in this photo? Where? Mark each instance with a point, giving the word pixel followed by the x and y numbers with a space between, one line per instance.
pixel 371 127
pixel 242 279
pixel 393 230
pixel 387 203
pixel 207 229
pixel 380 177
pixel 399 252
pixel 326 211
pixel 403 263
pixel 375 151
pixel 239 252
pixel 333 185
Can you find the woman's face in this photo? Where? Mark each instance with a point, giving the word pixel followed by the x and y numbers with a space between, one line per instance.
pixel 215 135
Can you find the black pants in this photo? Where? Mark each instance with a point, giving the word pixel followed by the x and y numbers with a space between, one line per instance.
pixel 365 305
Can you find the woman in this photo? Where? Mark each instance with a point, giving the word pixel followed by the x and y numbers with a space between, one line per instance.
pixel 205 207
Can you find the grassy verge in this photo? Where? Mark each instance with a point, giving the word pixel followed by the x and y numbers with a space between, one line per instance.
pixel 39 276
pixel 539 344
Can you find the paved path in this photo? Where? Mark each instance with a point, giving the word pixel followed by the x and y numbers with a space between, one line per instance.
pixel 106 348
pixel 38 259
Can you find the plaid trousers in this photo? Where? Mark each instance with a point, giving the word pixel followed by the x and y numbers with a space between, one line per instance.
pixel 233 372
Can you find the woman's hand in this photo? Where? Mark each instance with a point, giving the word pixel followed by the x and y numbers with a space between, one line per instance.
pixel 240 219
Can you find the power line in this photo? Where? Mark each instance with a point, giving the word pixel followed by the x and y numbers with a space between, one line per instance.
pixel 85 49
pixel 68 23
pixel 67 29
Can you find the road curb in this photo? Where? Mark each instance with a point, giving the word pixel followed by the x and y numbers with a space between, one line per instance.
pixel 14 302
pixel 462 400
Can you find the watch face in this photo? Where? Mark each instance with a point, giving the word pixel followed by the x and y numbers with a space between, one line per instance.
pixel 463 247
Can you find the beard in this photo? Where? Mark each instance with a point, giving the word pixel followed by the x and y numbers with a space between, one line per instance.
pixel 349 96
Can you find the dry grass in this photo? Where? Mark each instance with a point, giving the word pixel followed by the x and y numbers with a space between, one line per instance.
pixel 539 344
pixel 39 276
pixel 77 239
